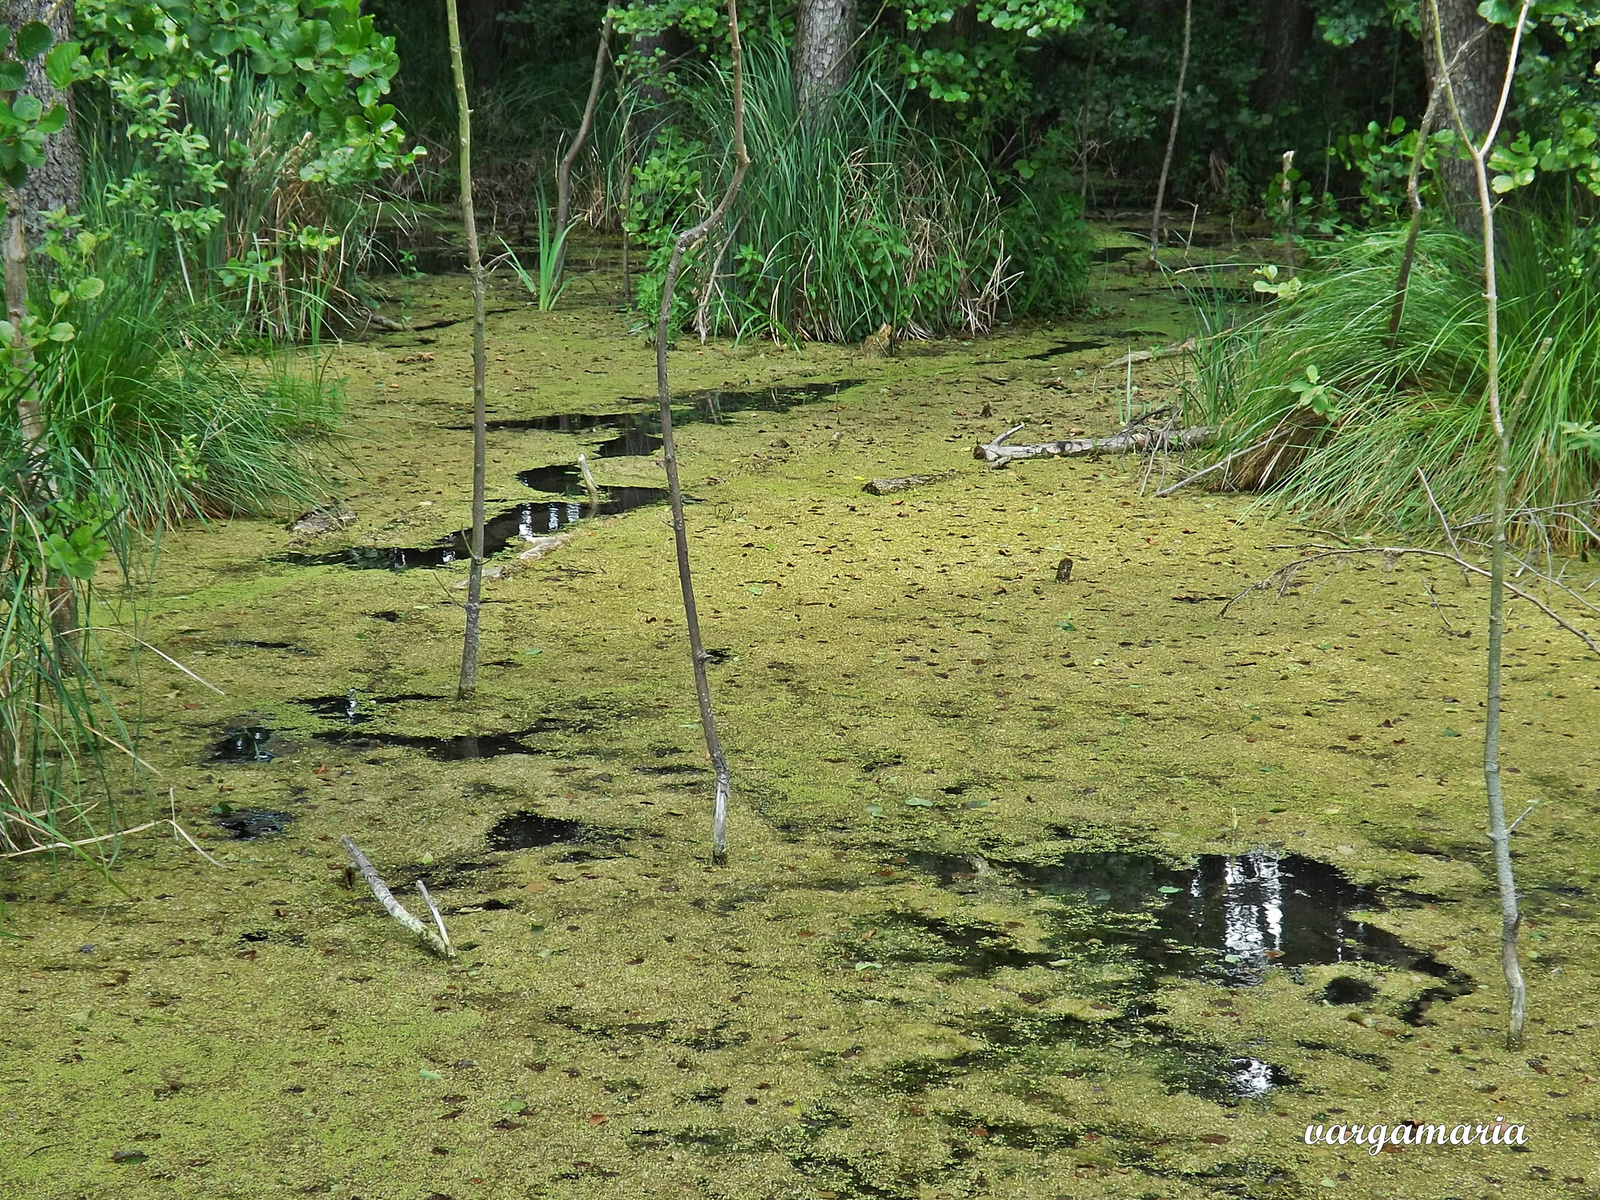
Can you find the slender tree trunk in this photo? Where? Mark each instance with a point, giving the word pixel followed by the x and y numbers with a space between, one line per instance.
pixel 824 38
pixel 1499 832
pixel 1083 112
pixel 29 416
pixel 1172 132
pixel 564 172
pixel 469 644
pixel 686 240
pixel 1475 78
pixel 58 182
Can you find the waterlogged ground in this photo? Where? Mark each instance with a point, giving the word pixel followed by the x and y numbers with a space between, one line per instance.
pixel 1037 889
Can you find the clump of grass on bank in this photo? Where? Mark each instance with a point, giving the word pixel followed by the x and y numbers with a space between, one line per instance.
pixel 846 223
pixel 146 423
pixel 174 429
pixel 56 724
pixel 1316 402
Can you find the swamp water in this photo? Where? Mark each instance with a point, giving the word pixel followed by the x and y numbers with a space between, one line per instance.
pixel 941 963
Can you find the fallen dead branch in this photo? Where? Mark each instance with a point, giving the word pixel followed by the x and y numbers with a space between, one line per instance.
pixel 1135 439
pixel 438 942
pixel 1172 351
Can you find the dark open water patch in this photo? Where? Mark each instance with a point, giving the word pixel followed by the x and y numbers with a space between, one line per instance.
pixel 527 830
pixel 1226 918
pixel 638 428
pixel 244 743
pixel 512 527
pixel 247 824
pixel 358 708
pixel 459 748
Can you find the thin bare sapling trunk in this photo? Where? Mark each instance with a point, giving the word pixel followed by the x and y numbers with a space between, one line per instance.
pixel 1172 133
pixel 564 171
pixel 469 643
pixel 686 241
pixel 1499 833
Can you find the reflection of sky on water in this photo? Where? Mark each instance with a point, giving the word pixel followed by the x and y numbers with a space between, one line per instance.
pixel 1258 910
pixel 1250 1077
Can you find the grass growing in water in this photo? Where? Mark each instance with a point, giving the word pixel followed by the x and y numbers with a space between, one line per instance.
pixel 846 223
pixel 1313 399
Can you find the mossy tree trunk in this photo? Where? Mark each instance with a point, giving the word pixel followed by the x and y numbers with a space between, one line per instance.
pixel 58 182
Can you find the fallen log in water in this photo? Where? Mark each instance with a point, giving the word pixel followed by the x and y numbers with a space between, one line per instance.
pixel 1136 439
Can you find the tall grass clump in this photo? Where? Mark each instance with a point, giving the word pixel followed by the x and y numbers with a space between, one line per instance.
pixel 147 420
pixel 57 727
pixel 848 222
pixel 1314 399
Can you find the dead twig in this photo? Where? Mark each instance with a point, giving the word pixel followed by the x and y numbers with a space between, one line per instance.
pixel 1283 578
pixel 439 942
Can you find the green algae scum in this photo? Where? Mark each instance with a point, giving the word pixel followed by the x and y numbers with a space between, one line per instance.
pixel 1037 889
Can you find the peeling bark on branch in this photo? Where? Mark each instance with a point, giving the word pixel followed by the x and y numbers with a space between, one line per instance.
pixel 1133 440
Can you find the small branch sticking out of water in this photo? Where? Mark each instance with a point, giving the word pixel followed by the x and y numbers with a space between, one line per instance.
pixel 438 917
pixel 439 942
pixel 588 482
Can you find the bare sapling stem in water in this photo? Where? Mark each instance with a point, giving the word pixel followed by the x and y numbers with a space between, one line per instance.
pixel 1499 834
pixel 469 643
pixel 686 240
pixel 1172 133
pixel 564 170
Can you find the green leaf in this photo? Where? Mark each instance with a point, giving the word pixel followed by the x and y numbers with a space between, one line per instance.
pixel 1167 889
pixel 919 802
pixel 53 121
pixel 27 108
pixel 427 1074
pixel 62 331
pixel 12 75
pixel 59 63
pixel 1448 732
pixel 88 289
pixel 33 39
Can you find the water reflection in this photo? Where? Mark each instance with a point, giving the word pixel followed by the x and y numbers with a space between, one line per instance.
pixel 1225 917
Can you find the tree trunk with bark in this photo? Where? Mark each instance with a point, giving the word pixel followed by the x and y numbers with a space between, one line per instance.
pixel 1287 26
pixel 57 183
pixel 824 40
pixel 1475 79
